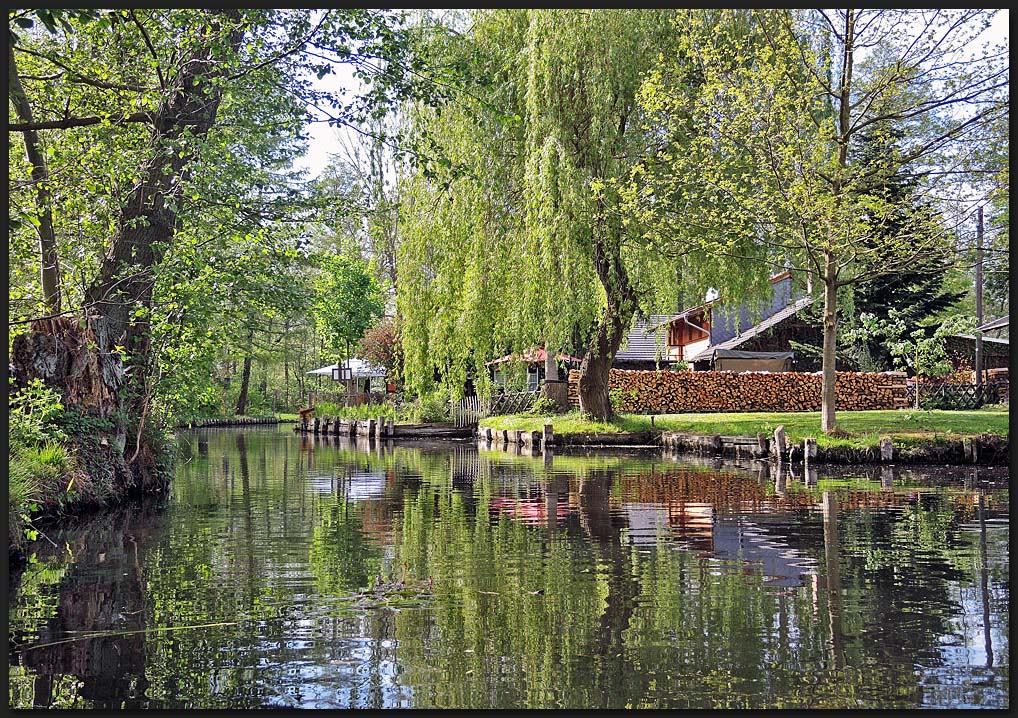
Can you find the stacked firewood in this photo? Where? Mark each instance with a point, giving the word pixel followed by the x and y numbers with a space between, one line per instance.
pixel 667 392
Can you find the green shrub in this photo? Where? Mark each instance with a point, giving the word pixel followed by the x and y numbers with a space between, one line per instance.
pixel 22 484
pixel 32 416
pixel 363 411
pixel 543 406
pixel 431 407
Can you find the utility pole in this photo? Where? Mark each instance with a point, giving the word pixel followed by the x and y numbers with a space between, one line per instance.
pixel 979 297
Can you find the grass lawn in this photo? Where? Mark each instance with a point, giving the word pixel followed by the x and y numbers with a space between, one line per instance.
pixel 863 428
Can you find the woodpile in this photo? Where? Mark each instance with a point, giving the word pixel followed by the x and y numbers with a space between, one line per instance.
pixel 671 392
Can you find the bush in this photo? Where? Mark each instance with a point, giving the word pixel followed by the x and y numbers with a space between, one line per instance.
pixel 363 411
pixel 431 407
pixel 38 475
pixel 543 406
pixel 32 416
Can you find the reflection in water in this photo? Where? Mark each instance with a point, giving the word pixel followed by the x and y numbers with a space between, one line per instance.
pixel 324 572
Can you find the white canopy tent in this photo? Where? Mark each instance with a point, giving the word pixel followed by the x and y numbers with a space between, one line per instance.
pixel 359 369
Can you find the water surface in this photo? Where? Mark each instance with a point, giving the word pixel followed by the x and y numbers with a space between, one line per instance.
pixel 320 573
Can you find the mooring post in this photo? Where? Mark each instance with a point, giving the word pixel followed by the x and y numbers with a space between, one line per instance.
pixel 549 436
pixel 390 427
pixel 380 427
pixel 886 449
pixel 809 449
pixel 886 477
pixel 779 441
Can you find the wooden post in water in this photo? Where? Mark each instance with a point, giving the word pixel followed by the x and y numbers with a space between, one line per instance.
pixel 887 478
pixel 886 449
pixel 809 450
pixel 549 436
pixel 761 445
pixel 779 441
pixel 390 427
pixel 380 427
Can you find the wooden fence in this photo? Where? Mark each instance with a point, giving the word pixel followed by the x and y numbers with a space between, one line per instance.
pixel 470 410
pixel 957 396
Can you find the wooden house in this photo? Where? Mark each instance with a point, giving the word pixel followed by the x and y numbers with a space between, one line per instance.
pixel 710 335
pixel 534 358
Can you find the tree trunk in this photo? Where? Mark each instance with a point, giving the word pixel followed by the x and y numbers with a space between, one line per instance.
pixel 84 361
pixel 550 365
pixel 609 333
pixel 245 377
pixel 828 423
pixel 48 258
pixel 286 364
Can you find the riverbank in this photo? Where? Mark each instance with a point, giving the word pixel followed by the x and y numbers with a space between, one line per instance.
pixel 72 472
pixel 916 436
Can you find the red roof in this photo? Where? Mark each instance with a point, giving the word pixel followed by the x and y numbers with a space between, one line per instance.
pixel 532 356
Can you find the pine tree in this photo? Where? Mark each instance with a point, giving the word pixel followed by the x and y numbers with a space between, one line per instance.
pixel 918 291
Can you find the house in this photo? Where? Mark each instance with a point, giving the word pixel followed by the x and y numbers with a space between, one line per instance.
pixel 741 338
pixel 360 379
pixel 534 358
pixel 995 325
pixel 961 351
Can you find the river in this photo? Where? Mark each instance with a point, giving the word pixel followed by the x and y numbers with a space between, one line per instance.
pixel 287 571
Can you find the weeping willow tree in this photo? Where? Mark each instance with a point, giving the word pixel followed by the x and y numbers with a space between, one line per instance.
pixel 518 236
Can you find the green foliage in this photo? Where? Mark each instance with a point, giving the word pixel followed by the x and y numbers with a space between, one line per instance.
pixel 39 476
pixel 620 396
pixel 761 158
pixel 922 351
pixel 34 414
pixel 517 239
pixel 347 301
pixel 73 422
pixel 543 406
pixel 431 407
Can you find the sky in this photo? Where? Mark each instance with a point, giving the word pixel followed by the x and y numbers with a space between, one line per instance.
pixel 325 140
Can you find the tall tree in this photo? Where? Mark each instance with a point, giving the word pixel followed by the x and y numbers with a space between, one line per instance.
pixel 761 155
pixel 174 104
pixel 519 237
pixel 919 292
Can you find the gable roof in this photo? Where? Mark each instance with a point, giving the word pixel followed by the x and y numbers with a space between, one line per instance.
pixel 642 340
pixel 995 324
pixel 776 318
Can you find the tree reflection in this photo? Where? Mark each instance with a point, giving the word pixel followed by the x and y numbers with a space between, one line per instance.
pixel 586 582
